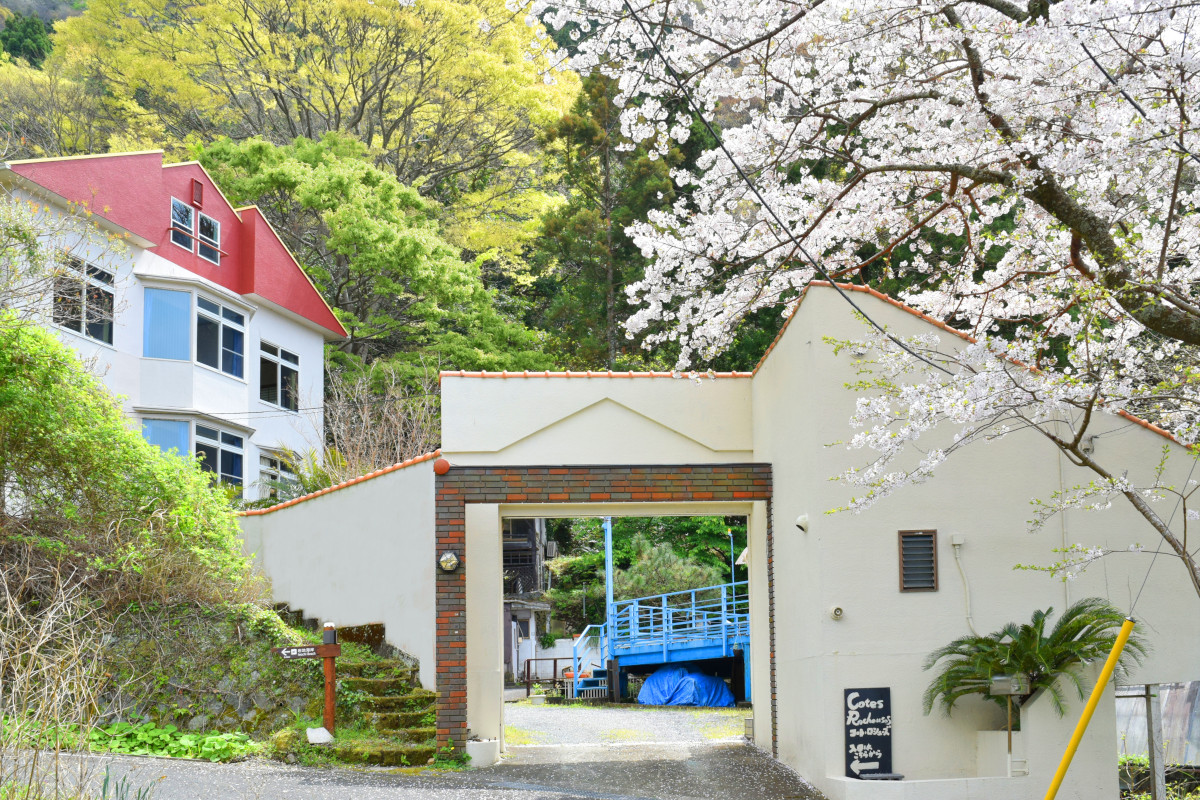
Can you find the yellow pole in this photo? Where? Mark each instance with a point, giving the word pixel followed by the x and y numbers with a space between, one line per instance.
pixel 1090 708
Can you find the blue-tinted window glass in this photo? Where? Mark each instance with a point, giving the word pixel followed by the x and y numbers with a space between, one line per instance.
pixel 231 467
pixel 166 325
pixel 166 434
pixel 233 342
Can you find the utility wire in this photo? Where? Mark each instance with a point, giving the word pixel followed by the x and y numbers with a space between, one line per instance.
pixel 687 96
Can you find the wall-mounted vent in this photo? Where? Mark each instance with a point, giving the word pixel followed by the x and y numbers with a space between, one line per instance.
pixel 918 561
pixel 197 193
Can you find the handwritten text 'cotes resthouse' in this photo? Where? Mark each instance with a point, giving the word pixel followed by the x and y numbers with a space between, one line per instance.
pixel 868 731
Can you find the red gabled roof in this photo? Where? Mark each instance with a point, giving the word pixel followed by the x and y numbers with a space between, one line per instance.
pixel 134 191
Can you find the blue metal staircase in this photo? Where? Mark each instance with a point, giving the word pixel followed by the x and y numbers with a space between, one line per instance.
pixel 693 625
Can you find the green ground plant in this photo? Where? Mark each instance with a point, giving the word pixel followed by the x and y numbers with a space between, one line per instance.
pixel 149 739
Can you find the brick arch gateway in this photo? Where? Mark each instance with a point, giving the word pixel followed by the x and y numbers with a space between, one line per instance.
pixel 579 491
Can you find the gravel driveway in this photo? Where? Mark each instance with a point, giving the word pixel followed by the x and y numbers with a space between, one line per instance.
pixel 526 724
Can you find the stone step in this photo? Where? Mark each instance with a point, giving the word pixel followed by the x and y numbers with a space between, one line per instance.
pixel 419 735
pixel 387 754
pixel 379 687
pixel 397 721
pixel 417 700
pixel 375 669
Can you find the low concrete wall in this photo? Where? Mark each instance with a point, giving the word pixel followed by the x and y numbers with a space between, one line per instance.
pixel 358 555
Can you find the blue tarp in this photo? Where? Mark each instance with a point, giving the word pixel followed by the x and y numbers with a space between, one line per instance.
pixel 675 686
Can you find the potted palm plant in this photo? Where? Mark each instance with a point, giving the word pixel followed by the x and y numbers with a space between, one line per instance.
pixel 1046 657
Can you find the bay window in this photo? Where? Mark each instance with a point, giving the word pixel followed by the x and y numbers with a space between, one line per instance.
pixel 166 329
pixel 220 336
pixel 221 453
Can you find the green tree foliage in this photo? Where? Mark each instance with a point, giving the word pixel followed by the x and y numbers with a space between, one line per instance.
pixel 26 37
pixel 690 552
pixel 583 260
pixel 1086 631
pixel 447 94
pixel 584 256
pixel 374 249
pixel 658 569
pixel 90 496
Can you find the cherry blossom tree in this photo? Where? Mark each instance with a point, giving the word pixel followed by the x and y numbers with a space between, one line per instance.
pixel 1021 172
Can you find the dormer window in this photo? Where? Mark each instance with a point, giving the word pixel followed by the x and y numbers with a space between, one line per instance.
pixel 195 231
pixel 183 224
pixel 209 245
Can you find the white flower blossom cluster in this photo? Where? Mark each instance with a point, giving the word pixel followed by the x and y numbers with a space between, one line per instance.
pixel 969 152
pixel 875 129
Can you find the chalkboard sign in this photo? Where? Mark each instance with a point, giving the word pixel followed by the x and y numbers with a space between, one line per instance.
pixel 868 731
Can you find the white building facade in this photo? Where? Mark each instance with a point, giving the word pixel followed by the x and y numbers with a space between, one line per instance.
pixel 190 310
pixel 842 606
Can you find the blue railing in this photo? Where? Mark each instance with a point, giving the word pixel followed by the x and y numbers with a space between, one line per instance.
pixel 712 615
pixel 593 640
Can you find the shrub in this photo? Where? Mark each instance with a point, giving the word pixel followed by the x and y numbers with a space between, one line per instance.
pixel 1085 632
pixel 91 496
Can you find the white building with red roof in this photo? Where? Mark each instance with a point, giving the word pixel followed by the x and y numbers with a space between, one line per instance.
pixel 198 316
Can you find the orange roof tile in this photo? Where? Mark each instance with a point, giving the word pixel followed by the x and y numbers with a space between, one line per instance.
pixel 360 479
pixel 854 287
pixel 589 374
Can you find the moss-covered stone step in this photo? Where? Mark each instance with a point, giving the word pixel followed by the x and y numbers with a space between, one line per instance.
pixel 420 735
pixel 375 669
pixel 417 700
pixel 379 687
pixel 385 754
pixel 399 721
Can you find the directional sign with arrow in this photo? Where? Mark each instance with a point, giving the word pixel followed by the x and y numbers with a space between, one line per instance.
pixel 868 717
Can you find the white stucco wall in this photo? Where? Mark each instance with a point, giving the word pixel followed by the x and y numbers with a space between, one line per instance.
pixel 598 420
pixel 358 555
pixel 851 561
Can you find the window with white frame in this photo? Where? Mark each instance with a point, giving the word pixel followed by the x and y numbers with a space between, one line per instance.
pixel 220 336
pixel 209 244
pixel 166 324
pixel 273 474
pixel 183 224
pixel 168 435
pixel 221 453
pixel 278 376
pixel 83 300
pixel 195 231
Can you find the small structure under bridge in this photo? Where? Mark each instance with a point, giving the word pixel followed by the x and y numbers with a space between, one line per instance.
pixel 706 629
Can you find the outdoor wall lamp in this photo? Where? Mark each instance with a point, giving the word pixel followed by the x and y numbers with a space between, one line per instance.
pixel 448 561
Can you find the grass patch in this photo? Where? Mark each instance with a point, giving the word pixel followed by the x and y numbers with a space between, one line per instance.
pixel 518 736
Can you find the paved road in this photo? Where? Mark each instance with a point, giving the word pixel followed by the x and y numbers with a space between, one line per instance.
pixel 584 772
pixel 568 753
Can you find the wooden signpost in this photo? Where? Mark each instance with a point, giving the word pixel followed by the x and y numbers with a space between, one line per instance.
pixel 328 650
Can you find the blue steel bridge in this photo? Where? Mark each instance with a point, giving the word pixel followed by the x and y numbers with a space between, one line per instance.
pixel 685 628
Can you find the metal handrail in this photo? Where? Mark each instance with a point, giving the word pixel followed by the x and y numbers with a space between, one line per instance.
pixel 667 620
pixel 601 638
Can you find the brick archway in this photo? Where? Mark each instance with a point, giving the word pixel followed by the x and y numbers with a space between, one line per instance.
pixel 459 486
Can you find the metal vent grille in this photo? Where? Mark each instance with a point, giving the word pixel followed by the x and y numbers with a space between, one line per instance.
pixel 918 561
